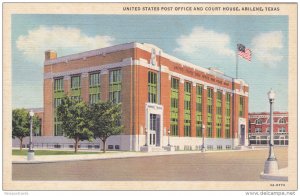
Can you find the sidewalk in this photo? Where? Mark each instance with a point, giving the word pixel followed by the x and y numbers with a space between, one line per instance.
pixel 107 155
pixel 282 175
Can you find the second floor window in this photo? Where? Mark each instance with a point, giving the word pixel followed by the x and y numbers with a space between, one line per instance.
pixel 152 87
pixel 75 82
pixel 115 86
pixel 94 79
pixel 58 84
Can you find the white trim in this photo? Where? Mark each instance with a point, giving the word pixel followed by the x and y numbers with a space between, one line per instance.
pixel 165 69
pixel 85 74
pixel 144 46
pixel 266 115
pixel 105 67
pixel 102 51
pixel 67 77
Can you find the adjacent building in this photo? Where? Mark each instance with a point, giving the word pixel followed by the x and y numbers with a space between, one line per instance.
pixel 259 128
pixel 162 97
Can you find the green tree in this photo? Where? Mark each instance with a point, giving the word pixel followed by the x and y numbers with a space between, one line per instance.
pixel 105 118
pixel 75 123
pixel 21 124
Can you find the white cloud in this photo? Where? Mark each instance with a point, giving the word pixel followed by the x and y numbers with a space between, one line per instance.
pixel 201 39
pixel 61 39
pixel 267 46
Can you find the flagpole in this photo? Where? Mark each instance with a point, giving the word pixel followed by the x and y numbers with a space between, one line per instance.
pixel 233 95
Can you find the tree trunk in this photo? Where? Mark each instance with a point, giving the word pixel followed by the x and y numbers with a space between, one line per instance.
pixel 104 148
pixel 21 143
pixel 76 144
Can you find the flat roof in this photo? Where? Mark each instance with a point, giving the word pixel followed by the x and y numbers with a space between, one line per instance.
pixel 144 46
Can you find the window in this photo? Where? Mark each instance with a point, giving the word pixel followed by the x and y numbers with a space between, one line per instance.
pixel 94 98
pixel 94 87
pixel 153 123
pixel 187 109
pixel 174 106
pixel 210 147
pixel 258 121
pixel 174 83
pixel 115 86
pixel 241 108
pixel 257 130
pixel 58 95
pixel 282 121
pixel 94 79
pixel 268 129
pixel 281 130
pixel 57 102
pixel 199 90
pixel 75 82
pixel 152 87
pixel 75 87
pixel 77 98
pixel 209 111
pixel 58 84
pixel 228 113
pixel 58 131
pixel 219 114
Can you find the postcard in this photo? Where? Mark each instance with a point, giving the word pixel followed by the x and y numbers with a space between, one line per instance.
pixel 150 96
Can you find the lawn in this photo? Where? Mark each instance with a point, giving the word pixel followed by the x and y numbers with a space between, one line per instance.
pixel 50 152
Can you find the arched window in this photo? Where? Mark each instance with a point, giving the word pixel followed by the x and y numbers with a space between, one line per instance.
pixel 282 121
pixel 258 121
pixel 268 130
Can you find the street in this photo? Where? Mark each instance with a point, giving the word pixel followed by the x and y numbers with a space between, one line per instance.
pixel 221 166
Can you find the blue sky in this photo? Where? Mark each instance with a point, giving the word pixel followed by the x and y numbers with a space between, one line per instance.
pixel 207 41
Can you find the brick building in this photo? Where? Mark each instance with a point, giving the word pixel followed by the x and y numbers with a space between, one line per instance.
pixel 259 128
pixel 159 93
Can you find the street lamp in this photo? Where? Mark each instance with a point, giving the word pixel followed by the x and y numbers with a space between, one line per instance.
pixel 169 137
pixel 203 135
pixel 30 155
pixel 271 165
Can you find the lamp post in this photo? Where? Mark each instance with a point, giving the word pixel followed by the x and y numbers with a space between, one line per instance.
pixel 271 165
pixel 30 155
pixel 169 137
pixel 203 135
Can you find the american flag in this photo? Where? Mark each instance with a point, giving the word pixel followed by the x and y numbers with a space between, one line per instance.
pixel 244 52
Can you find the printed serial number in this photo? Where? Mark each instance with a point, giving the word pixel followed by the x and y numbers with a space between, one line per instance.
pixel 277 184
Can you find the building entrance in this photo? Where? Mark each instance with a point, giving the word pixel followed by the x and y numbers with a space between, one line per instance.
pixel 242 138
pixel 154 133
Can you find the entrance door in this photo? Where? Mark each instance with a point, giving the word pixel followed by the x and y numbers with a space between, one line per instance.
pixel 154 134
pixel 158 130
pixel 242 139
